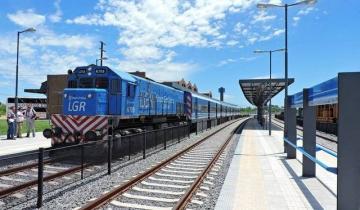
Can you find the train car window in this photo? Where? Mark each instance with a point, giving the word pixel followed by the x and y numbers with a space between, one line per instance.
pixel 115 86
pixel 86 83
pixel 130 92
pixel 72 84
pixel 101 83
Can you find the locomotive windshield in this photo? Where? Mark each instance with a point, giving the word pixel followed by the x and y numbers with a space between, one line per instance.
pixel 101 82
pixel 86 83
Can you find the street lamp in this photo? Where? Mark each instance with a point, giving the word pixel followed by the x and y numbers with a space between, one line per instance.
pixel 101 59
pixel 285 6
pixel 270 55
pixel 17 66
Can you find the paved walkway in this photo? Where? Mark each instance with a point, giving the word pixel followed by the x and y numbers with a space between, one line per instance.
pixel 260 177
pixel 8 147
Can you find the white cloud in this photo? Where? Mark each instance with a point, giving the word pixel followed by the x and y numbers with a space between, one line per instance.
pixel 278 32
pixel 278 2
pixel 246 59
pixel 296 18
pixel 160 71
pixel 225 62
pixel 232 42
pixel 56 17
pixel 241 28
pixel 68 41
pixel 302 12
pixel 150 30
pixel 262 16
pixel 27 18
pixel 275 33
pixel 49 60
pixel 306 11
pixel 143 52
pixel 251 37
pixel 165 24
pixel 43 52
pixel 230 60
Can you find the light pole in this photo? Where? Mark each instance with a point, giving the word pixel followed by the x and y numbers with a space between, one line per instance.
pixel 17 66
pixel 101 59
pixel 285 6
pixel 270 55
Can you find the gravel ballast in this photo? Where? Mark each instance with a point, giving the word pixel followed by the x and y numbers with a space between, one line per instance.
pixel 78 193
pixel 217 177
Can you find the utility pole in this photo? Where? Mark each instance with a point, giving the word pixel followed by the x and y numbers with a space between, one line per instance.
pixel 101 52
pixel 17 68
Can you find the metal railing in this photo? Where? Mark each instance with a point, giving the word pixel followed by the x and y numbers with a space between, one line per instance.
pixel 312 158
pixel 85 159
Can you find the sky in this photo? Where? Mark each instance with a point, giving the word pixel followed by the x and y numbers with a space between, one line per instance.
pixel 207 42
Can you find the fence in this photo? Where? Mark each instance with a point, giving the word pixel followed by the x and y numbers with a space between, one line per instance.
pixel 340 90
pixel 51 169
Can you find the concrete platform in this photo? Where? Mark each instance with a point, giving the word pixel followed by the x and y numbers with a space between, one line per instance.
pixel 260 177
pixel 21 145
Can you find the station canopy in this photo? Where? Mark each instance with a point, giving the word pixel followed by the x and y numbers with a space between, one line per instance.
pixel 257 91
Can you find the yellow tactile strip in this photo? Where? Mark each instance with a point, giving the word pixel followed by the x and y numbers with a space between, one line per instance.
pixel 250 181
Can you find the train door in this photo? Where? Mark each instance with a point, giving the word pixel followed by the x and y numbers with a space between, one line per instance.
pixel 216 111
pixel 131 109
pixel 196 108
pixel 209 109
pixel 115 97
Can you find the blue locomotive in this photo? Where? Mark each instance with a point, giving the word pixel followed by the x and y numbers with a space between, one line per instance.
pixel 99 100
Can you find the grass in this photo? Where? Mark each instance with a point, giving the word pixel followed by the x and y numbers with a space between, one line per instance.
pixel 40 125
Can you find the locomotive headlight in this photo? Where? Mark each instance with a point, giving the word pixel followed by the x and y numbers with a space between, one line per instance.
pixel 65 95
pixel 89 95
pixel 89 73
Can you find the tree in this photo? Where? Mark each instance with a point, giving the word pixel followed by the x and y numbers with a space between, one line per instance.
pixel 2 109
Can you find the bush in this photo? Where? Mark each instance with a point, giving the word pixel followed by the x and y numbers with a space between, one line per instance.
pixel 2 109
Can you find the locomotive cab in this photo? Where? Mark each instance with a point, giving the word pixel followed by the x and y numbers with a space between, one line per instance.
pixel 93 94
pixel 98 81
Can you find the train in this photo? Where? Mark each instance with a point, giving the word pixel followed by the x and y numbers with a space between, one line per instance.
pixel 99 101
pixel 326 118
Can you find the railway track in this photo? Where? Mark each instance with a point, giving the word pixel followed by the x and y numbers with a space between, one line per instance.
pixel 281 125
pixel 321 140
pixel 20 183
pixel 178 182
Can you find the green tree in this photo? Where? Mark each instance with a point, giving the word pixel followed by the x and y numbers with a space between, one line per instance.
pixel 2 109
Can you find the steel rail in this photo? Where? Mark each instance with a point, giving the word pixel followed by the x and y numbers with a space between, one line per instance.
pixel 21 168
pixel 109 196
pixel 25 185
pixel 186 198
pixel 300 129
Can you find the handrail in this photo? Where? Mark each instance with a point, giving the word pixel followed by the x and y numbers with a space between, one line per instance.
pixel 332 153
pixel 326 150
pixel 313 159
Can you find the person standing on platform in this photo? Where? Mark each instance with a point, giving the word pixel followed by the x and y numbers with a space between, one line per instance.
pixel 19 122
pixel 30 116
pixel 11 123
